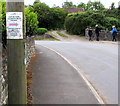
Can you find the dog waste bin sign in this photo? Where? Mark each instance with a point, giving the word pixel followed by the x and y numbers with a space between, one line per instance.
pixel 14 23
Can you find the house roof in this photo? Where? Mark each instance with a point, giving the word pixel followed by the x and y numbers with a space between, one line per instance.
pixel 74 10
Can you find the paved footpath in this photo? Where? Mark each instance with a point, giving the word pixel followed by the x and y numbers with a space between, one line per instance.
pixel 56 82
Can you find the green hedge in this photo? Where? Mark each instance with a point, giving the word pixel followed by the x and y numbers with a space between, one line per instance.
pixel 41 31
pixel 76 23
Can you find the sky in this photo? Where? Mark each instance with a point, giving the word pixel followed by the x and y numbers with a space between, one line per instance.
pixel 106 3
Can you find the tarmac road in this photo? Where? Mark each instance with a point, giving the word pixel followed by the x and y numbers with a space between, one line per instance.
pixel 57 82
pixel 98 62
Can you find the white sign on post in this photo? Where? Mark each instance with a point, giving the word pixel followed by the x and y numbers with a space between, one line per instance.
pixel 14 23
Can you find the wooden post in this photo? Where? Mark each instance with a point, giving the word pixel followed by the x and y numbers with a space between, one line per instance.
pixel 17 84
pixel 0 52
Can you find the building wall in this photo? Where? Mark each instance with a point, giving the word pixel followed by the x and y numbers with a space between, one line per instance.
pixel 74 10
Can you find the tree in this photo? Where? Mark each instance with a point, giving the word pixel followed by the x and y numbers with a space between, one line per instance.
pixel 31 22
pixel 36 1
pixel 97 5
pixel 50 18
pixel 68 5
pixel 43 13
pixel 58 17
pixel 82 5
pixel 119 5
pixel 89 6
pixel 112 6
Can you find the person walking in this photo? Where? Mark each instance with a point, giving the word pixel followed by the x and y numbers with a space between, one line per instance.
pixel 90 32
pixel 97 32
pixel 114 33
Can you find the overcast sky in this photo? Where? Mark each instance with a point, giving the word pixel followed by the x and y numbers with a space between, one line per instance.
pixel 106 3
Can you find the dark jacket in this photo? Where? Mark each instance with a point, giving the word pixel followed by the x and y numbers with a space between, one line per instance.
pixel 97 30
pixel 90 31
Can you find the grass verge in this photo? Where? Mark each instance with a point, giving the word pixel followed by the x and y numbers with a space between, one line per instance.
pixel 52 34
pixel 49 39
pixel 61 34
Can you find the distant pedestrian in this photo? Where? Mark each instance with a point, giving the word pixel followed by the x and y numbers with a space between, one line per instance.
pixel 114 33
pixel 97 32
pixel 90 32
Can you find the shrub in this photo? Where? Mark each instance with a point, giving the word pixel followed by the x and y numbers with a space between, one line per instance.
pixel 41 31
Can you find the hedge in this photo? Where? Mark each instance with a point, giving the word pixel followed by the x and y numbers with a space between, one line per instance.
pixel 41 31
pixel 76 23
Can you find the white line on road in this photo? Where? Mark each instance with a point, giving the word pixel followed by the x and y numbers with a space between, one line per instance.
pixel 95 93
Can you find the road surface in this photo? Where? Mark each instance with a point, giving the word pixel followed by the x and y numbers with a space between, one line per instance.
pixel 56 82
pixel 98 62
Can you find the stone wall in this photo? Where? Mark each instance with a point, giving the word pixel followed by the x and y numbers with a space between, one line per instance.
pixel 4 87
pixel 44 36
pixel 104 35
pixel 29 51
